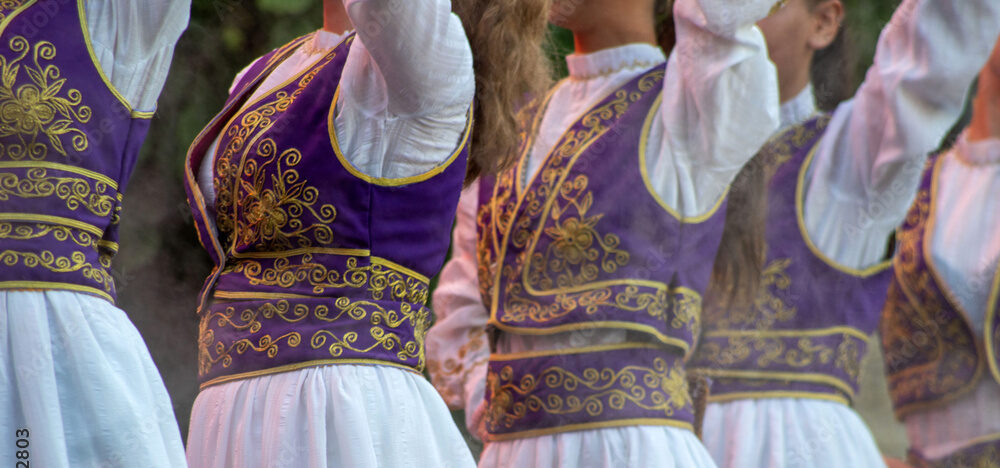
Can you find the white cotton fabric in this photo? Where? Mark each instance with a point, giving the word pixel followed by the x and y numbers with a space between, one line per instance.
pixel 76 374
pixel 858 190
pixel 402 109
pixel 134 43
pixel 788 433
pixel 631 446
pixel 870 161
pixel 965 250
pixel 699 139
pixel 328 416
pixel 74 371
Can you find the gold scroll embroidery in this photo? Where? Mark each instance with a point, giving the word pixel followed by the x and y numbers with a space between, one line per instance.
pixel 230 160
pixel 76 262
pixel 915 326
pixel 383 325
pixel 99 198
pixel 19 231
pixel 609 390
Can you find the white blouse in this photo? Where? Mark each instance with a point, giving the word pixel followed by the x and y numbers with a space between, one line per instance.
pixel 404 96
pixel 858 189
pixel 134 43
pixel 702 135
pixel 965 249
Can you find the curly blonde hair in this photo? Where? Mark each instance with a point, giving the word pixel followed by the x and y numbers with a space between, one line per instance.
pixel 511 69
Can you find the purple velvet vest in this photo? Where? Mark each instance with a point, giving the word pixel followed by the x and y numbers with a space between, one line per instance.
pixel 809 327
pixel 68 143
pixel 932 354
pixel 588 245
pixel 316 262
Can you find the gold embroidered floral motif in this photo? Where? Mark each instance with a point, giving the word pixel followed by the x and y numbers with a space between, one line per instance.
pixel 658 388
pixel 99 198
pixel 76 262
pixel 274 216
pixel 229 163
pixel 576 253
pixel 39 107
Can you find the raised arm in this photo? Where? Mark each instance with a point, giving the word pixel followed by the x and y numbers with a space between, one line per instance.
pixel 419 50
pixel 134 42
pixel 457 348
pixel 868 165
pixel 720 101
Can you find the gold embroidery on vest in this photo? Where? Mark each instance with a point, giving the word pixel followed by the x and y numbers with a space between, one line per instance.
pixel 768 308
pixel 729 350
pixel 9 5
pixel 666 387
pixel 38 107
pixel 227 176
pixel 76 262
pixel 74 191
pixel 18 231
pixel 569 268
pixel 268 212
pixel 286 274
pixel 382 323
pixel 915 326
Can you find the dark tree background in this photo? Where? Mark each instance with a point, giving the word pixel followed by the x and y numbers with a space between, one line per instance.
pixel 161 266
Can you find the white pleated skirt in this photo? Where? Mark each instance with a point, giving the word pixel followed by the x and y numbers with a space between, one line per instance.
pixel 77 380
pixel 630 446
pixel 329 416
pixel 788 433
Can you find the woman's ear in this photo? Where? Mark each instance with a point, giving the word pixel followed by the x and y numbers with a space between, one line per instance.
pixel 828 17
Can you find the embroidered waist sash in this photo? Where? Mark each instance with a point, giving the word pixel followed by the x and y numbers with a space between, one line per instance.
pixel 532 394
pixel 822 364
pixel 276 314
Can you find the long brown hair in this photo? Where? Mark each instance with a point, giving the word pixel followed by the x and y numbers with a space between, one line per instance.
pixel 666 35
pixel 511 68
pixel 736 274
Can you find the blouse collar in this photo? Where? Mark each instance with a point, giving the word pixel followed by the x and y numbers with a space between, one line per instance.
pixel 978 153
pixel 322 41
pixel 607 62
pixel 798 109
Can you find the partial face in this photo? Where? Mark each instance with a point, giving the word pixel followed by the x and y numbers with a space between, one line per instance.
pixel 788 31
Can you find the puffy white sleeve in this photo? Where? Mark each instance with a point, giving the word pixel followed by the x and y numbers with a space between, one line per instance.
pixel 720 102
pixel 457 347
pixel 133 41
pixel 869 163
pixel 407 87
